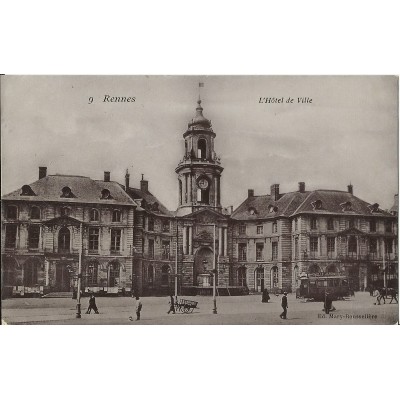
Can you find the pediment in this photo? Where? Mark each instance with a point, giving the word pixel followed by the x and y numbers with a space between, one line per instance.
pixel 351 231
pixel 207 216
pixel 65 220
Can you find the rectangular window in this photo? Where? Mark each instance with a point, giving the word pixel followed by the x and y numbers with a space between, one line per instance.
pixel 330 224
pixel 388 226
pixel 388 246
pixel 12 212
pixel 259 252
pixel 313 244
pixel 92 275
pixel 93 239
pixel 313 223
pixel 274 227
pixel 115 239
pixel 165 226
pixel 372 225
pixel 295 224
pixel 351 223
pixel 260 230
pixel 331 244
pixel 242 229
pixel 151 224
pixel 11 236
pixel 151 248
pixel 372 245
pixel 242 250
pixel 274 250
pixel 34 234
pixel 165 250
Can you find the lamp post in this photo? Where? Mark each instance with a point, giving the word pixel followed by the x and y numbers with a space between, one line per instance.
pixel 78 295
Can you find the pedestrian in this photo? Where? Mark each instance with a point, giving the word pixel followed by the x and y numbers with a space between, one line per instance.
pixel 265 296
pixel 393 293
pixel 92 305
pixel 137 309
pixel 371 290
pixel 328 303
pixel 380 296
pixel 284 304
pixel 171 305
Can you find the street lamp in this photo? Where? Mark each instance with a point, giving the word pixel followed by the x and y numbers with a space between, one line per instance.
pixel 78 296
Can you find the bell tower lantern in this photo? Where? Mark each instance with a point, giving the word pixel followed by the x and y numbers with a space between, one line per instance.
pixel 199 172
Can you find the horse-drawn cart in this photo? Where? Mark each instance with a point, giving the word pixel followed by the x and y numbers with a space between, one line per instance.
pixel 185 306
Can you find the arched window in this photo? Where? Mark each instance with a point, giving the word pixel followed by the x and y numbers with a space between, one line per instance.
pixel 116 216
pixel 31 268
pixel 314 269
pixel 241 276
pixel 35 212
pixel 64 238
pixel 205 196
pixel 274 277
pixel 202 149
pixel 332 269
pixel 352 245
pixel 94 215
pixel 9 266
pixel 67 192
pixel 180 192
pixel 165 275
pixel 259 280
pixel 92 273
pixel 114 274
pixel 12 212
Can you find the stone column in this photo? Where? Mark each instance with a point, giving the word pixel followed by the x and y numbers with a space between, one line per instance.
pixel 190 240
pixel 215 191
pixel 184 239
pixel 220 241
pixel 190 188
pixel 225 241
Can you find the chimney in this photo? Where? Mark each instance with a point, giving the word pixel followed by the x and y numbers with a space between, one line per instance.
pixel 127 180
pixel 275 191
pixel 231 209
pixel 250 193
pixel 144 185
pixel 302 187
pixel 350 188
pixel 42 172
pixel 107 176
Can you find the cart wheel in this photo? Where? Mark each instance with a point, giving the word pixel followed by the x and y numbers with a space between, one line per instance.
pixel 186 310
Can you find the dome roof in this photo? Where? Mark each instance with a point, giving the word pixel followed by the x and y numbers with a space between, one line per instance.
pixel 199 118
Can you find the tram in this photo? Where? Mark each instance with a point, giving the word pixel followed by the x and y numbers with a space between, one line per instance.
pixel 315 286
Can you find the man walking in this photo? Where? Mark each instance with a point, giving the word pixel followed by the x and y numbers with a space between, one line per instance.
pixel 138 309
pixel 171 305
pixel 284 304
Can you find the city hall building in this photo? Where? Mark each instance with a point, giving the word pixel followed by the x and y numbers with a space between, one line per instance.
pixel 126 240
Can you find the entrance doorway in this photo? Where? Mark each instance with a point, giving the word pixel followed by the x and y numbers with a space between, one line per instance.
pixel 259 286
pixel 63 280
pixel 203 264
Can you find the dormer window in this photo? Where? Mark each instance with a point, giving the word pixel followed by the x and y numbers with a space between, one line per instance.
pixel 116 216
pixel 252 211
pixel 105 194
pixel 374 208
pixel 317 205
pixel 347 206
pixel 154 206
pixel 35 212
pixel 67 192
pixel 272 208
pixel 26 190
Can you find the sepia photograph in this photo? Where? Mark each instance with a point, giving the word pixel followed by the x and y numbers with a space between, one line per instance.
pixel 199 200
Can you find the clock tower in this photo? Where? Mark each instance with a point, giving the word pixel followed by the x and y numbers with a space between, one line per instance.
pixel 199 172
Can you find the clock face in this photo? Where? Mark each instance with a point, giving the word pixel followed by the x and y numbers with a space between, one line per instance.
pixel 202 183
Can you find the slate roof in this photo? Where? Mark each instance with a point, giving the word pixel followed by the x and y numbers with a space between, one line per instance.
pixel 293 203
pixel 149 202
pixel 84 190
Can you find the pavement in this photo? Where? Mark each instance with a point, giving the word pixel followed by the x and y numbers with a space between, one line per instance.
pixel 240 310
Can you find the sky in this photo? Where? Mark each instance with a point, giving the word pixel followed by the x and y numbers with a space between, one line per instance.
pixel 347 134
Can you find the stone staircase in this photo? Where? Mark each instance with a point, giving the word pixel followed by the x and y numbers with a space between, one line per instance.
pixel 58 295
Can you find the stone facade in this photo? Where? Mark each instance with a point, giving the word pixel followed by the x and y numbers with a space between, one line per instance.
pixel 129 241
